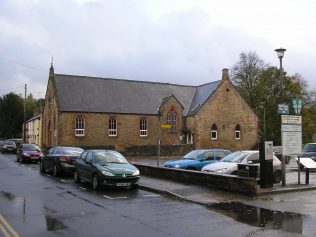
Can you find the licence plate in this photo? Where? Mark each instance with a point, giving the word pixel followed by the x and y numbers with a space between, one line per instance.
pixel 123 184
pixel 34 157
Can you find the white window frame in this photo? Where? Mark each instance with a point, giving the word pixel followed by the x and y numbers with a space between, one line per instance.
pixel 172 120
pixel 237 132
pixel 189 138
pixel 143 129
pixel 214 133
pixel 79 126
pixel 112 127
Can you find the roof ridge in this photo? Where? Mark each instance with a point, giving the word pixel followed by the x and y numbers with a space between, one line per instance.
pixel 128 80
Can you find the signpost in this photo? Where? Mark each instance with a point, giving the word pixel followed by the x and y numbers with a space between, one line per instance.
pixel 291 129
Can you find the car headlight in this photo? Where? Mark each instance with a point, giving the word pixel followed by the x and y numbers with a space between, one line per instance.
pixel 106 173
pixel 136 173
pixel 177 166
pixel 221 170
pixel 26 154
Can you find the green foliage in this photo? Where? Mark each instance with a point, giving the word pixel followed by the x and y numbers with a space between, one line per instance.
pixel 260 86
pixel 12 114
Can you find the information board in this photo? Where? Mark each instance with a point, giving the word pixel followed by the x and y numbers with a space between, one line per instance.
pixel 291 129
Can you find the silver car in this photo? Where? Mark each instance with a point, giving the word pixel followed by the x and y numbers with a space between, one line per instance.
pixel 229 164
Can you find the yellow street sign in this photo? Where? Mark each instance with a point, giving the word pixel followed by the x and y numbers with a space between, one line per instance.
pixel 165 125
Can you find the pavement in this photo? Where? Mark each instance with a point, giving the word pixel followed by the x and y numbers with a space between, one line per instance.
pixel 206 195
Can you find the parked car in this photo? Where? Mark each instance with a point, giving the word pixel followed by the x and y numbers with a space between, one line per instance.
pixel 196 159
pixel 309 151
pixel 278 152
pixel 229 164
pixel 28 152
pixel 105 167
pixel 59 159
pixel 8 146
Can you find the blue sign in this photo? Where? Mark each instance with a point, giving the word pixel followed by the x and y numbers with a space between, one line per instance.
pixel 283 109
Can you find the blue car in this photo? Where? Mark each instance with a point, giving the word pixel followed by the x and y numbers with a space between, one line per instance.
pixel 196 159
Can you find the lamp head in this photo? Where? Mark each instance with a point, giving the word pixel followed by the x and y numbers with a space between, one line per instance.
pixel 280 52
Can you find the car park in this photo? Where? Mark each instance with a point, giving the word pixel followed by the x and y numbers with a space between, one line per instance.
pixel 105 168
pixel 8 146
pixel 28 152
pixel 309 151
pixel 196 159
pixel 60 159
pixel 229 164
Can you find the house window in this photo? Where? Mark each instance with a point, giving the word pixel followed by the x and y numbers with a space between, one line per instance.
pixel 214 132
pixel 237 132
pixel 143 127
pixel 172 120
pixel 112 127
pixel 80 126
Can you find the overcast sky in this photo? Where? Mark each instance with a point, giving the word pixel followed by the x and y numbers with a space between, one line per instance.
pixel 176 41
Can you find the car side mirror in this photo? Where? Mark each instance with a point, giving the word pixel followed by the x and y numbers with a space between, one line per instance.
pixel 202 159
pixel 249 162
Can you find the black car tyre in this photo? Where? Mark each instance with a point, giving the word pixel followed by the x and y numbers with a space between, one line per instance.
pixel 277 176
pixel 76 177
pixel 55 170
pixel 95 182
pixel 41 167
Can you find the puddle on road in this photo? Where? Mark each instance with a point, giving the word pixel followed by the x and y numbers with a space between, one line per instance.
pixel 265 218
pixel 53 224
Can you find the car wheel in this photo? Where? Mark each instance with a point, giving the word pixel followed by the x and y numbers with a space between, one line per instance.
pixel 277 176
pixel 95 182
pixel 55 170
pixel 76 177
pixel 41 167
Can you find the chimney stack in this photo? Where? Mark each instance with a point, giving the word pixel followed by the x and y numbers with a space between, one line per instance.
pixel 225 75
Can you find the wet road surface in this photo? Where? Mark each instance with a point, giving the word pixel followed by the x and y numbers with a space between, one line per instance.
pixel 41 205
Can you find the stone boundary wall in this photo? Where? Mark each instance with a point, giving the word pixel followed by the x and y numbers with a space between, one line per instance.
pixel 230 183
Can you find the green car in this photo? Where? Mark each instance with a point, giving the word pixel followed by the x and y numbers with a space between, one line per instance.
pixel 105 168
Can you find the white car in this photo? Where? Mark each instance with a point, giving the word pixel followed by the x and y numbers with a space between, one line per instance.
pixel 229 164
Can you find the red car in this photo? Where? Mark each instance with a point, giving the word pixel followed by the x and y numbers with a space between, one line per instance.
pixel 28 152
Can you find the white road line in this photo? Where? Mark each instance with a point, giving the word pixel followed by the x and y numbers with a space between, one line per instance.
pixel 63 180
pixel 152 195
pixel 114 198
pixel 82 188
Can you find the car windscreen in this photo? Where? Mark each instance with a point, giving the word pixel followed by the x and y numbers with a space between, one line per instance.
pixel 109 157
pixel 9 143
pixel 235 157
pixel 72 151
pixel 193 154
pixel 310 148
pixel 30 147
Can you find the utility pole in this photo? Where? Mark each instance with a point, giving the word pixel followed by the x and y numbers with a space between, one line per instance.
pixel 24 112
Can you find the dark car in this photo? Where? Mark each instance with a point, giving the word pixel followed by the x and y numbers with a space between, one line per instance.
pixel 8 146
pixel 196 159
pixel 105 167
pixel 59 159
pixel 309 151
pixel 28 152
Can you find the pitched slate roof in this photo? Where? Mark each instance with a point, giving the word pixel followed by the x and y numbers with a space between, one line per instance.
pixel 106 95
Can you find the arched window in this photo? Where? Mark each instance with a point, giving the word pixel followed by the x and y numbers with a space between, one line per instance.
pixel 237 132
pixel 172 120
pixel 143 127
pixel 214 132
pixel 79 126
pixel 112 127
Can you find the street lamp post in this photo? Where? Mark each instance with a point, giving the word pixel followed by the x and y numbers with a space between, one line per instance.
pixel 280 53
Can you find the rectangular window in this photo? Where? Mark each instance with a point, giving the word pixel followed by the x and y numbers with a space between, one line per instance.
pixel 112 127
pixel 237 135
pixel 189 138
pixel 143 128
pixel 214 134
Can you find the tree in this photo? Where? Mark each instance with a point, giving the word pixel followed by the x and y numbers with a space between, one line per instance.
pixel 11 115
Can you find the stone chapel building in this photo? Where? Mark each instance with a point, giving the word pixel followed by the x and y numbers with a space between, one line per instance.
pixel 104 112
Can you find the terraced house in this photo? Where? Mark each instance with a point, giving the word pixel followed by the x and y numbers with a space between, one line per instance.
pixel 123 114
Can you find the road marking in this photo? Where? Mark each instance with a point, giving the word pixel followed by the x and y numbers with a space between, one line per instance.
pixel 152 195
pixel 82 188
pixel 63 180
pixel 7 229
pixel 114 198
